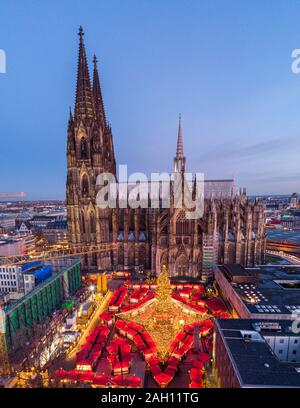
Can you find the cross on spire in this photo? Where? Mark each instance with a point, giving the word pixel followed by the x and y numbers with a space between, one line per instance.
pixel 81 32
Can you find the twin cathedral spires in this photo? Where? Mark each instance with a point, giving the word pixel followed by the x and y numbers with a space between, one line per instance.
pixel 89 134
pixel 90 148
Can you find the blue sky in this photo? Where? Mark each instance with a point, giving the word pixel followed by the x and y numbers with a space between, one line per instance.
pixel 225 65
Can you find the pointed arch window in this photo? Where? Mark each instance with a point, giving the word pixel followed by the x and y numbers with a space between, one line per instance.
pixel 83 229
pixel 83 149
pixel 182 224
pixel 200 234
pixel 85 186
pixel 95 144
pixel 93 223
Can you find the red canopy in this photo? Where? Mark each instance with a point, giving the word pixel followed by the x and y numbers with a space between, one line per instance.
pixel 195 384
pixel 215 305
pixel 125 349
pixel 181 336
pixel 197 364
pixel 120 324
pixel 86 376
pixel 101 380
pixel 128 381
pixel 134 381
pixel 173 361
pixel 61 374
pixel 195 374
pixel 153 360
pixel 170 370
pixel 112 349
pixel 106 316
pixel 155 369
pixel 224 315
pixel 204 357
pixel 178 352
pixel 163 379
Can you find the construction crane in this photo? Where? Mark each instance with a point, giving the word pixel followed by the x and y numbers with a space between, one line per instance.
pixel 12 195
pixel 57 254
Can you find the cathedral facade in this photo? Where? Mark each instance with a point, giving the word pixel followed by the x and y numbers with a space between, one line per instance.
pixel 231 229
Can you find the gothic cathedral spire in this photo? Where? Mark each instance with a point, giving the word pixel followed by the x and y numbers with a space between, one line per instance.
pixel 179 159
pixel 84 106
pixel 97 95
pixel 90 152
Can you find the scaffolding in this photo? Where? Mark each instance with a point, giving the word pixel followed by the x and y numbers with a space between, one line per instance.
pixel 4 361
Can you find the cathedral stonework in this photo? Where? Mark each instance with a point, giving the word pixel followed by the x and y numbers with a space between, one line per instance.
pixel 231 229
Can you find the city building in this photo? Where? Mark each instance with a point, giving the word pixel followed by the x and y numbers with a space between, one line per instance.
pixel 34 273
pixel 294 200
pixel 16 245
pixel 231 229
pixel 284 221
pixel 7 221
pixel 19 319
pixel 56 232
pixel 251 353
pixel 23 227
pixel 267 292
pixel 17 280
pixel 41 221
pixel 11 281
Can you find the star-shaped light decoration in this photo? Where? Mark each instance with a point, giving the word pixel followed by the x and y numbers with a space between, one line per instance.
pixel 163 317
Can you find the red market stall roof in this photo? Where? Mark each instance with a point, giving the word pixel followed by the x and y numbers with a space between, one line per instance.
pixel 153 360
pixel 173 361
pixel 106 316
pixel 197 364
pixel 216 305
pixel 127 381
pixel 163 379
pixel 195 374
pixel 102 379
pixel 195 384
pixel 204 357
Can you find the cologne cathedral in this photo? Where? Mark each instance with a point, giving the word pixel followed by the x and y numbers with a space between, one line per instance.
pixel 231 229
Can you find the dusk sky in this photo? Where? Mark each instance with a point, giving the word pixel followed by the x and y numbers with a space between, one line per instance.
pixel 224 64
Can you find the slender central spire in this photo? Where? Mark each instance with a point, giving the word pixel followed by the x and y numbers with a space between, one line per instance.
pixel 97 95
pixel 84 107
pixel 179 151
pixel 179 160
